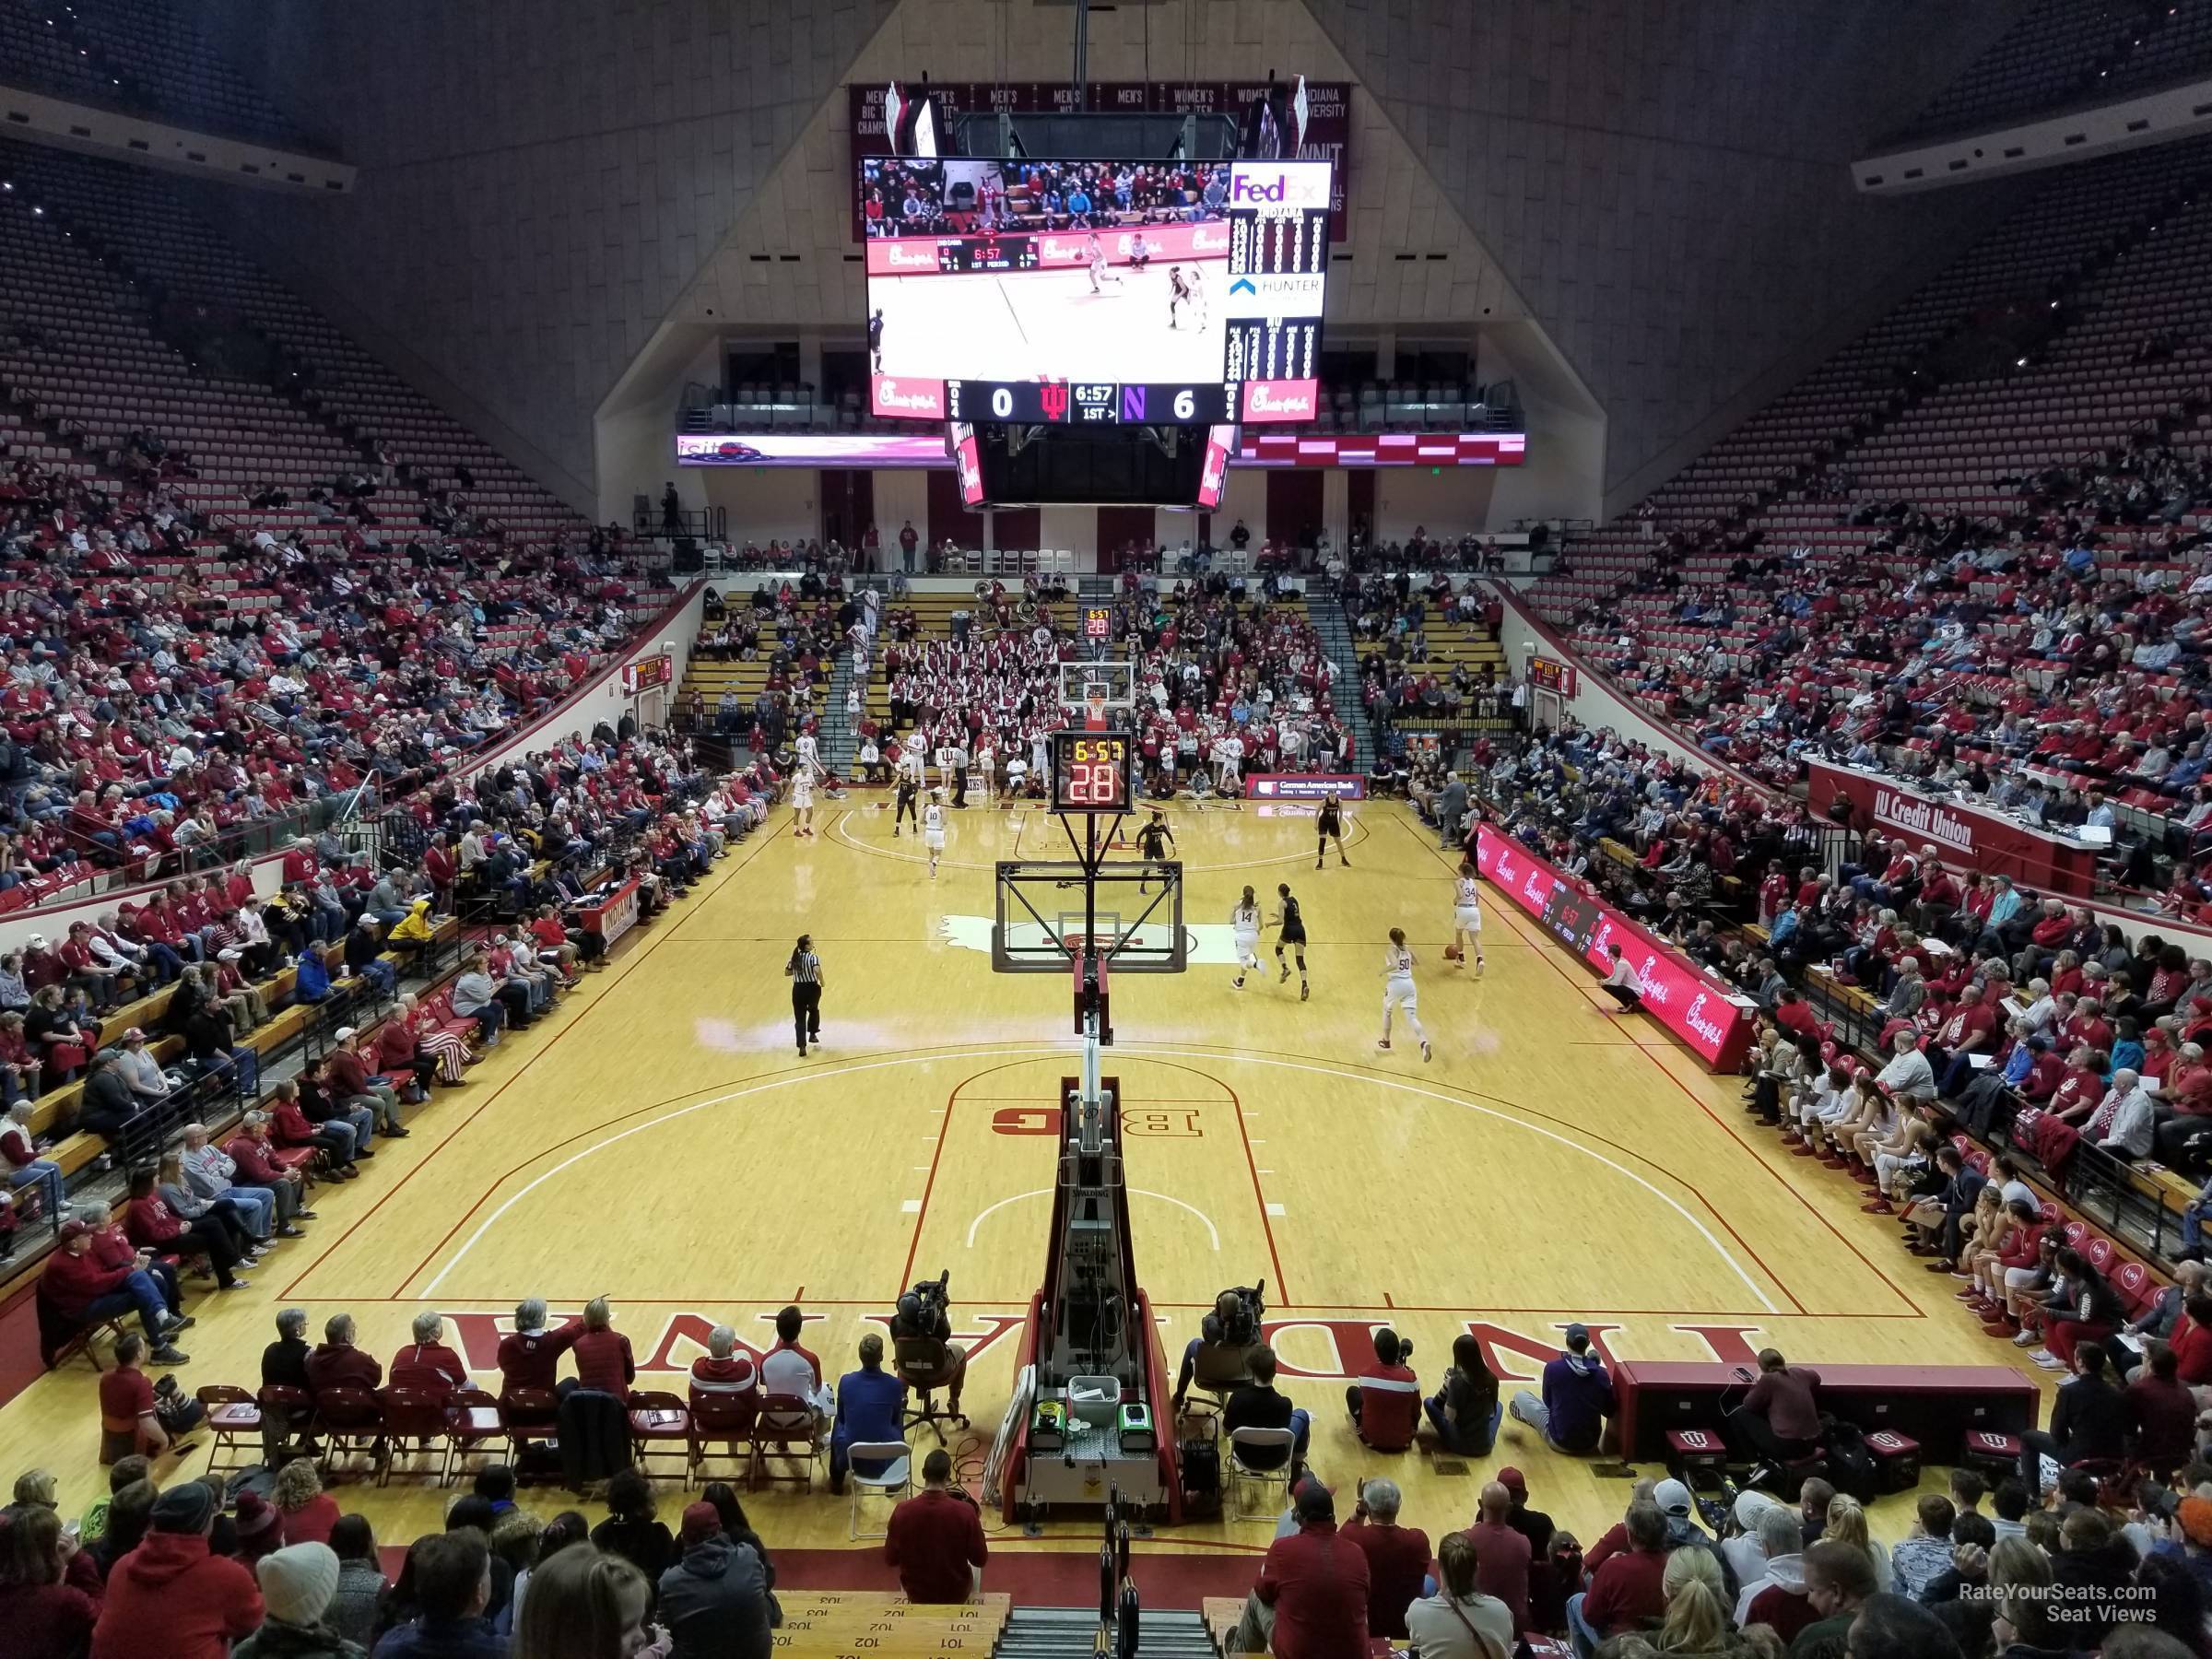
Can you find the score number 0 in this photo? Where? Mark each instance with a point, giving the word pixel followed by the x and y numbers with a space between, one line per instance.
pixel 1002 404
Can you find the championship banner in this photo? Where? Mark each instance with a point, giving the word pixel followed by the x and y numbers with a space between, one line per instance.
pixel 1327 111
pixel 1702 1009
pixel 1304 786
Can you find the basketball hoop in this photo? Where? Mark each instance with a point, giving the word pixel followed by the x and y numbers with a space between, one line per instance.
pixel 1094 708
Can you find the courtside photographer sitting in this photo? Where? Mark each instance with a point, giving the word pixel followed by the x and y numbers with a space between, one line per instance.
pixel 923 1351
pixel 1219 1356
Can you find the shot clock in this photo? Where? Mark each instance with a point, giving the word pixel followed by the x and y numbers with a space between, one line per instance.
pixel 1093 771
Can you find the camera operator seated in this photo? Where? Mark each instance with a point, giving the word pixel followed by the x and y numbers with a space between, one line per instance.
pixel 1256 1404
pixel 1386 1401
pixel 1220 1356
pixel 923 1355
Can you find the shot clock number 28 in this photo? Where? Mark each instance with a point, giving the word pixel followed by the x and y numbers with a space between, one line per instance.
pixel 1090 772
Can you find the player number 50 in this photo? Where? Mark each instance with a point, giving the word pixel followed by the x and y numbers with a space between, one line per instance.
pixel 1185 405
pixel 1002 402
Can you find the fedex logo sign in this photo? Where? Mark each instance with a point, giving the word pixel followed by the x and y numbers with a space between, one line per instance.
pixel 1286 186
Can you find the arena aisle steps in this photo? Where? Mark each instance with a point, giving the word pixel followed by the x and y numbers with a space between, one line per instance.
pixel 1071 1633
pixel 1335 633
pixel 838 740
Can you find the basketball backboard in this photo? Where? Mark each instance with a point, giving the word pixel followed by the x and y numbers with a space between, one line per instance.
pixel 1045 917
pixel 1099 695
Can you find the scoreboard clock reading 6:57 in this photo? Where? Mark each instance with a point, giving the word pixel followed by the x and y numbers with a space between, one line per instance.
pixel 1092 772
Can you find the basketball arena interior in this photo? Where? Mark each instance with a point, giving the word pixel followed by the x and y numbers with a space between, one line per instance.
pixel 1035 828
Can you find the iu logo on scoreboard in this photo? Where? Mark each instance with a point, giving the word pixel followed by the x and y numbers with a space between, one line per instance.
pixel 1132 402
pixel 1053 400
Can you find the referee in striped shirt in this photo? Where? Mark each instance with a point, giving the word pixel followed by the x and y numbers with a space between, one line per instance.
pixel 805 970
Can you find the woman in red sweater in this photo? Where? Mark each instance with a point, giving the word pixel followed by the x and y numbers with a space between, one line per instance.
pixel 152 1225
pixel 306 1510
pixel 50 1590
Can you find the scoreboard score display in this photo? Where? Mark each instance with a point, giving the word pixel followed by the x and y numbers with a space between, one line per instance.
pixel 1077 403
pixel 1093 771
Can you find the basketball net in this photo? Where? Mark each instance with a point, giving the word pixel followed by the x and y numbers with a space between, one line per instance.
pixel 1094 708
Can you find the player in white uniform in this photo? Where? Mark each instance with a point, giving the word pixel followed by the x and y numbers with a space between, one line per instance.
pixel 1245 930
pixel 987 767
pixel 1099 273
pixel 1398 991
pixel 933 829
pixel 1467 917
pixel 806 768
pixel 1195 296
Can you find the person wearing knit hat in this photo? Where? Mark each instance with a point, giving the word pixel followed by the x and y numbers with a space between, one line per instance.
pixel 1742 1551
pixel 296 1584
pixel 1532 1524
pixel 2194 1516
pixel 715 1600
pixel 199 1603
pixel 701 1522
pixel 260 1527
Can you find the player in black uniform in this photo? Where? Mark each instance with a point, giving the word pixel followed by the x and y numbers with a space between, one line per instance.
pixel 910 787
pixel 1154 841
pixel 875 341
pixel 1330 823
pixel 1293 936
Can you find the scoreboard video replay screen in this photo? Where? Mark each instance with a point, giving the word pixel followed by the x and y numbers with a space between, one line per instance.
pixel 1095 293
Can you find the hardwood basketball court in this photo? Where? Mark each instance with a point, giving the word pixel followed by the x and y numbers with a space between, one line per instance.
pixel 660 1142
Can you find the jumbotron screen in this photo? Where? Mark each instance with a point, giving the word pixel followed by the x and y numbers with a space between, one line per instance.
pixel 1085 293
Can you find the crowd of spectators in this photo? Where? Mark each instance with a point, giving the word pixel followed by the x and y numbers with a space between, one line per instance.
pixel 907 198
pixel 280 1571
pixel 1229 680
pixel 2066 634
pixel 172 681
pixel 522 852
pixel 1747 1576
pixel 273 1564
pixel 2003 1032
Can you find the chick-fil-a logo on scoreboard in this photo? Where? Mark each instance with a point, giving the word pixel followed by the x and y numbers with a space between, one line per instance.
pixel 1696 1007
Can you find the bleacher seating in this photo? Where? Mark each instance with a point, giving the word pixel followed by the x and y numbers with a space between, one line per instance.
pixel 143 56
pixel 2061 54
pixel 1802 502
